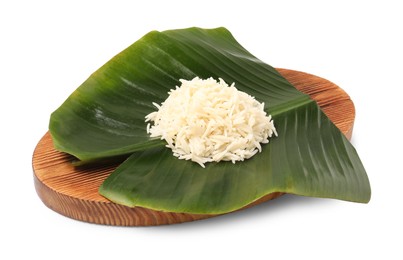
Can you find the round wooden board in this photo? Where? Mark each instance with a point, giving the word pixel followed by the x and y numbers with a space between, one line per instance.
pixel 73 191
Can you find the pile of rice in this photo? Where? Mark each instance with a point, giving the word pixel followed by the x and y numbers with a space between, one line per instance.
pixel 209 121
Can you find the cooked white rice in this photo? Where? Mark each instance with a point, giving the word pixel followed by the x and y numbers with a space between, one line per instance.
pixel 209 121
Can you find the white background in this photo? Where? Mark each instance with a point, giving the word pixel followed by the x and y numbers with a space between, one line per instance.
pixel 47 48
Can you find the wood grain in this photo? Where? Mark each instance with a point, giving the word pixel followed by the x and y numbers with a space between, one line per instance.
pixel 73 191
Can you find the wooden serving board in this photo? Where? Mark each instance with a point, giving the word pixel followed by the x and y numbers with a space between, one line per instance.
pixel 73 191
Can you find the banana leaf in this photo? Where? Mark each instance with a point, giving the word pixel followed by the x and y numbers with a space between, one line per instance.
pixel 104 118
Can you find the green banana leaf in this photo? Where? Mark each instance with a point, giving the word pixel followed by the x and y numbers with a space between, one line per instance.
pixel 104 118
